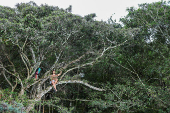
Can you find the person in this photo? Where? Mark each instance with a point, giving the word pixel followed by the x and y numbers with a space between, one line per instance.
pixel 37 73
pixel 54 79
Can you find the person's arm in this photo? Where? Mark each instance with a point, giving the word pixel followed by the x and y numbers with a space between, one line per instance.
pixel 59 73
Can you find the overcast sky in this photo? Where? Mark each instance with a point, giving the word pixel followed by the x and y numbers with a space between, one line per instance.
pixel 103 8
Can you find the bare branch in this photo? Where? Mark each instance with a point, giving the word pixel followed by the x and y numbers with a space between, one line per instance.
pixel 24 43
pixel 76 100
pixel 110 47
pixel 12 87
pixel 3 72
pixel 80 66
pixel 130 71
pixel 66 82
pixel 7 70
pixel 14 74
pixel 80 82
pixel 53 66
pixel 22 57
pixel 112 42
pixel 78 59
pixel 26 58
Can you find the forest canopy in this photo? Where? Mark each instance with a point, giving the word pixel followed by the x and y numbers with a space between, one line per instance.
pixel 106 66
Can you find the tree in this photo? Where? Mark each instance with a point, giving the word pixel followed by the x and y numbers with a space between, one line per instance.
pixel 48 37
pixel 136 74
pixel 147 56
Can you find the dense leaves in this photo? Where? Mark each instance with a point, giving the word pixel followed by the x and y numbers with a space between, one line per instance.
pixel 128 65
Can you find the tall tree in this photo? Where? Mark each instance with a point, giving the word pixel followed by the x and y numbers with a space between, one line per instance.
pixel 48 37
pixel 148 56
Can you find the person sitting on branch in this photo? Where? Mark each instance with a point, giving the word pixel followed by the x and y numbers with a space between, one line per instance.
pixel 54 79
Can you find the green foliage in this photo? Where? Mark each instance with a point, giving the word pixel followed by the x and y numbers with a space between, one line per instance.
pixel 135 74
pixel 90 17
pixel 14 107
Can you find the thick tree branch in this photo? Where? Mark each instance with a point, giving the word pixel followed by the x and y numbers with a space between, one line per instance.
pixel 22 57
pixel 13 87
pixel 81 82
pixel 33 54
pixel 3 72
pixel 66 82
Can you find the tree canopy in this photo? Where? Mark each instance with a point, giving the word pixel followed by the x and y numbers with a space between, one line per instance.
pixel 107 67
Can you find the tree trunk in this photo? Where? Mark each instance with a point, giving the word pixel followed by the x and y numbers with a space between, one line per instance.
pixel 22 92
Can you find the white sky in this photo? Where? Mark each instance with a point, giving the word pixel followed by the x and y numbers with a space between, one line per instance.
pixel 103 8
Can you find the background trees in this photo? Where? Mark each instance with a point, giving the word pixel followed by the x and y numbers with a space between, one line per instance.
pixel 129 63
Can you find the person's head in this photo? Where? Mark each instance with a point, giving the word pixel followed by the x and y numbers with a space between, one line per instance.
pixel 53 71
